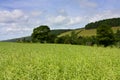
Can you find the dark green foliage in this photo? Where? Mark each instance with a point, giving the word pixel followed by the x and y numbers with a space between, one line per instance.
pixel 60 39
pixel 68 39
pixel 41 34
pixel 51 38
pixel 110 22
pixel 90 41
pixel 74 37
pixel 105 35
pixel 59 31
pixel 117 36
pixel 63 40
pixel 77 40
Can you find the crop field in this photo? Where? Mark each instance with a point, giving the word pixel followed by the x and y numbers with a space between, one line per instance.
pixel 23 61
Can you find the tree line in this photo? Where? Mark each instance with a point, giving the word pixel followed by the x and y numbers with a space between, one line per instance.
pixel 104 36
pixel 110 22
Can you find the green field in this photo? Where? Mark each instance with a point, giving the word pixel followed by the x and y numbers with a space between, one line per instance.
pixel 83 32
pixel 20 61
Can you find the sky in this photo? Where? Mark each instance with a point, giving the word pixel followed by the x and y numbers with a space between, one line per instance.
pixel 18 18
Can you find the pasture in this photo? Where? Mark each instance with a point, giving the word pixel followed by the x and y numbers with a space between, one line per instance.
pixel 84 32
pixel 22 61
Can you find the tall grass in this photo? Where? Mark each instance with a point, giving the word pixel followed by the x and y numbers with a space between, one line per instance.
pixel 58 62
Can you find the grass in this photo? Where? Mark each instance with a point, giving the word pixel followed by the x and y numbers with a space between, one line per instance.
pixel 58 62
pixel 83 32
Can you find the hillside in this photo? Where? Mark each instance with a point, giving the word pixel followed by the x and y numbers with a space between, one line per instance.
pixel 90 28
pixel 113 22
pixel 84 32
pixel 28 38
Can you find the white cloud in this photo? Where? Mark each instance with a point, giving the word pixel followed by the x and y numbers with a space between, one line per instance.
pixel 75 20
pixel 15 28
pixel 18 23
pixel 57 19
pixel 15 21
pixel 63 21
pixel 103 15
pixel 12 16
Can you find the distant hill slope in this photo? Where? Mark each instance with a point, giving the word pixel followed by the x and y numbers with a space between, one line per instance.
pixel 84 32
pixel 90 28
pixel 28 38
pixel 59 31
pixel 113 22
pixel 16 39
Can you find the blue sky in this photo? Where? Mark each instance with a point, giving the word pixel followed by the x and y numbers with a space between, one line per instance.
pixel 19 17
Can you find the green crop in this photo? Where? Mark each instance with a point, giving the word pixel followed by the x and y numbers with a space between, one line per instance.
pixel 20 61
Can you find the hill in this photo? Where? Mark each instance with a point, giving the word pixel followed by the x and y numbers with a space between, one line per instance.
pixel 28 38
pixel 86 32
pixel 90 28
pixel 113 22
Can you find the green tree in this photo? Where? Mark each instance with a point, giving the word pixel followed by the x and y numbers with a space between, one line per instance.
pixel 41 34
pixel 117 36
pixel 105 35
pixel 51 38
pixel 60 40
pixel 74 37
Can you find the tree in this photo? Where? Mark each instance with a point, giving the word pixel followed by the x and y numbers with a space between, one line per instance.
pixel 51 38
pixel 105 35
pixel 40 34
pixel 74 37
pixel 60 40
pixel 117 36
pixel 63 39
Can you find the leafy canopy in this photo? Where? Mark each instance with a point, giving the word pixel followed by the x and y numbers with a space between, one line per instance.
pixel 105 35
pixel 40 34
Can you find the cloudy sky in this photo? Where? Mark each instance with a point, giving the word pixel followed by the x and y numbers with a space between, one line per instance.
pixel 19 17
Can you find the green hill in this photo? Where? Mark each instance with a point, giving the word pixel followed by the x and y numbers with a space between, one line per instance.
pixel 113 22
pixel 86 32
pixel 90 28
